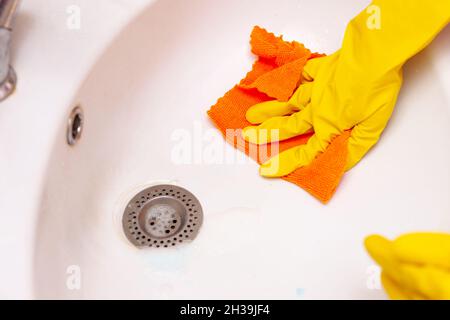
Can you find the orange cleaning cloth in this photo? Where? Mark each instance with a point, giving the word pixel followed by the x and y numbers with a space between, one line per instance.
pixel 276 75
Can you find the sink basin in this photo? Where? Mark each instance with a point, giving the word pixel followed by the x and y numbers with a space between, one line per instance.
pixel 144 104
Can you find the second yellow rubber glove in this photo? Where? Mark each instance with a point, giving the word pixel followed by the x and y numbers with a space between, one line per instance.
pixel 354 89
pixel 415 266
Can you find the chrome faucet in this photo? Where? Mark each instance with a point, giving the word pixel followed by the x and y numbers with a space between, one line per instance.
pixel 8 79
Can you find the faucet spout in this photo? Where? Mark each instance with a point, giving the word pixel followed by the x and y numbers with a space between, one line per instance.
pixel 8 78
pixel 8 9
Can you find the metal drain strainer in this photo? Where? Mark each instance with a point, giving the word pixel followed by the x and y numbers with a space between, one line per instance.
pixel 162 216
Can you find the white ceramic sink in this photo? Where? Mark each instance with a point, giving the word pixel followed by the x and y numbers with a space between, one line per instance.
pixel 146 77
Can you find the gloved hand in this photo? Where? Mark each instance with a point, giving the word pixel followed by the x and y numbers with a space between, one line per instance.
pixel 415 266
pixel 354 89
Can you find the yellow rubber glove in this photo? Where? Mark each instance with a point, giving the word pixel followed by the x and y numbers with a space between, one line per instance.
pixel 355 88
pixel 415 266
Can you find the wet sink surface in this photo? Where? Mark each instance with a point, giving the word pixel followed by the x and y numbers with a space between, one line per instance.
pixel 146 99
